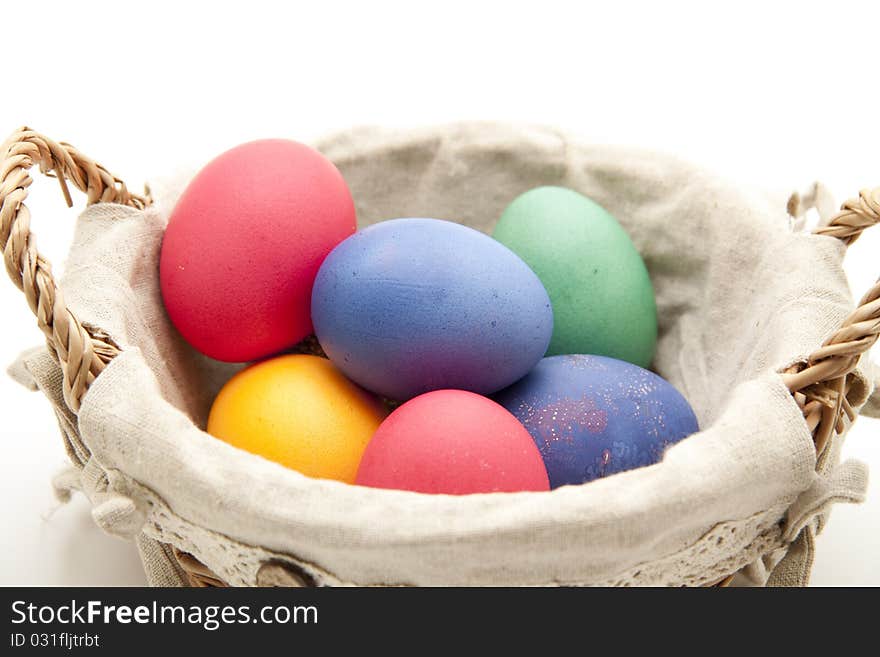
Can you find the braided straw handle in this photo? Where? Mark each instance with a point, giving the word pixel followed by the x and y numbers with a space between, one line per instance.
pixel 81 351
pixel 820 385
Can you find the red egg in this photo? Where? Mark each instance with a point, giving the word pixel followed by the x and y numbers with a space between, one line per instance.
pixel 454 442
pixel 244 244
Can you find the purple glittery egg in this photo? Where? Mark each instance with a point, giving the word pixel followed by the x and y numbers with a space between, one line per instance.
pixel 592 416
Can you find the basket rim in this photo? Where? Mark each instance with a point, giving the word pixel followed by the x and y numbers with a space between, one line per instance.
pixel 79 346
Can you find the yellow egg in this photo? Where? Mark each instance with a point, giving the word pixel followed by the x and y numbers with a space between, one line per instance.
pixel 298 411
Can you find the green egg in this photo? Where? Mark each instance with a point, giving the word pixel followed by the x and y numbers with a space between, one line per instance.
pixel 603 300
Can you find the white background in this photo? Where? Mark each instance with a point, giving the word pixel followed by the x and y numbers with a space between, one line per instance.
pixel 767 94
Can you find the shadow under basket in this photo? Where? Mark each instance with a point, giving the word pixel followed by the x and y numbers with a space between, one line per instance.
pixel 757 329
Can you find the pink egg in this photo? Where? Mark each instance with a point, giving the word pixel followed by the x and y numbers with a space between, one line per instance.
pixel 454 442
pixel 243 246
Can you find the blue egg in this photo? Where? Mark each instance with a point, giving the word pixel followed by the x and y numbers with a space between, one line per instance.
pixel 592 416
pixel 408 306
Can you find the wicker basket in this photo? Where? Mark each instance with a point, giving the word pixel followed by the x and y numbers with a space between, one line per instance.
pixel 819 386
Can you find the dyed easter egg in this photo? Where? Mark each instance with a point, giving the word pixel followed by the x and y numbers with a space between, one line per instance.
pixel 592 416
pixel 412 305
pixel 453 442
pixel 243 245
pixel 299 411
pixel 603 300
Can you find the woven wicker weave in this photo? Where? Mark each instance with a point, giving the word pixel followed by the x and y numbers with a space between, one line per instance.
pixel 819 385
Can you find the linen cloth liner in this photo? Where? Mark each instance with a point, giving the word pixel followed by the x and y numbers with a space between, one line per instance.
pixel 739 297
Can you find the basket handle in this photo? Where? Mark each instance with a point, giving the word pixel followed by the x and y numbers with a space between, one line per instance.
pixel 82 351
pixel 820 385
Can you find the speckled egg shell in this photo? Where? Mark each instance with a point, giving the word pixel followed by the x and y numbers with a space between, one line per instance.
pixel 592 416
pixel 603 300
pixel 412 305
